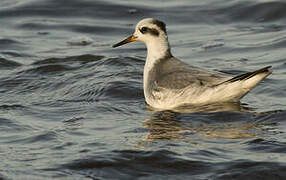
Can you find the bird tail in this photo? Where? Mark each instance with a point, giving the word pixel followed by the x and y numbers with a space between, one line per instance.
pixel 240 85
pixel 262 73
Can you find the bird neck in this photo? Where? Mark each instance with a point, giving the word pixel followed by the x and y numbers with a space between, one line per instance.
pixel 158 49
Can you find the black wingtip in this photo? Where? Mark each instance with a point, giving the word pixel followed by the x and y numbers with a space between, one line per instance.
pixel 249 75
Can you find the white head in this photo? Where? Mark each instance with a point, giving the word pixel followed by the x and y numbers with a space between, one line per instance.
pixel 153 33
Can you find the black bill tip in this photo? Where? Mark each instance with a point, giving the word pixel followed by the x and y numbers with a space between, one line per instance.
pixel 125 41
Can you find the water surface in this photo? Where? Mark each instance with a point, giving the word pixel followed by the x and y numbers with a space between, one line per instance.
pixel 73 108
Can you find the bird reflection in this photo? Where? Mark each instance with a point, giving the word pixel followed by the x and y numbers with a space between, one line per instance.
pixel 217 107
pixel 164 126
pixel 167 125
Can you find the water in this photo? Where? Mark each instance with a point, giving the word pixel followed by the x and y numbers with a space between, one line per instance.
pixel 72 107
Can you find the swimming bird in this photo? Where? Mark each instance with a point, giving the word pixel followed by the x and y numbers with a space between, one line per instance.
pixel 170 83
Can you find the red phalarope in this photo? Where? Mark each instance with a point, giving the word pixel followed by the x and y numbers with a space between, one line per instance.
pixel 170 83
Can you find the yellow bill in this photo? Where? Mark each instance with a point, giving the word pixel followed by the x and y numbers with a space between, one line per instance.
pixel 125 41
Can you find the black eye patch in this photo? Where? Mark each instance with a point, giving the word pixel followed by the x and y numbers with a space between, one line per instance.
pixel 143 30
pixel 151 31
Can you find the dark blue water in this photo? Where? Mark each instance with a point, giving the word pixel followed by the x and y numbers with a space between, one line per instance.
pixel 72 107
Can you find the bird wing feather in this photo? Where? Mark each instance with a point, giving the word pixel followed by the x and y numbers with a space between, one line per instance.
pixel 174 74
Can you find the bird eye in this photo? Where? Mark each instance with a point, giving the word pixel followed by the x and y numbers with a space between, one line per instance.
pixel 143 30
